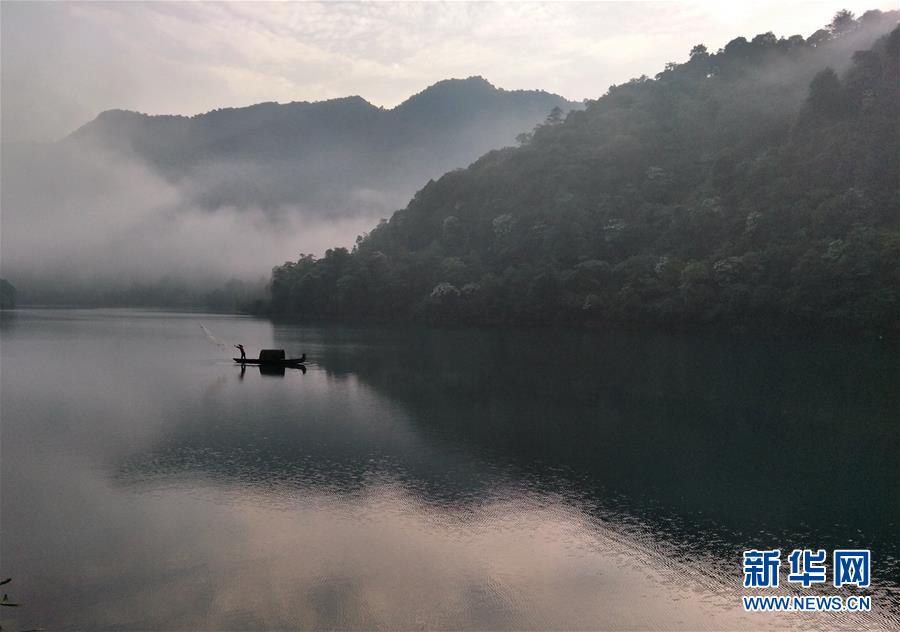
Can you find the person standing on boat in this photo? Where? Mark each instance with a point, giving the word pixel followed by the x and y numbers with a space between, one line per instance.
pixel 241 349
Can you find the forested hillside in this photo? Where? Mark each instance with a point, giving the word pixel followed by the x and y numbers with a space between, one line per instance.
pixel 752 187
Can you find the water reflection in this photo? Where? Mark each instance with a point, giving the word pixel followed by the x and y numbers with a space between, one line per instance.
pixel 780 437
pixel 273 370
pixel 431 478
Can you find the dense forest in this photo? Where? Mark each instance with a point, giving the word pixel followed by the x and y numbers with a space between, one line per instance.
pixel 753 187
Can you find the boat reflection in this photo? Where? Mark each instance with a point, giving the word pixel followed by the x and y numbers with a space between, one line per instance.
pixel 268 370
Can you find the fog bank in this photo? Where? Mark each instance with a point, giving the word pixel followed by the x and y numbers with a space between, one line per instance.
pixel 83 217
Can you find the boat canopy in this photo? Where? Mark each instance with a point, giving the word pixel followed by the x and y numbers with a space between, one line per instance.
pixel 271 355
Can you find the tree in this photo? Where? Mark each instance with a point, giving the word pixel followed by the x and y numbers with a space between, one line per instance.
pixel 842 22
pixel 826 95
pixel 555 117
pixel 765 39
pixel 819 37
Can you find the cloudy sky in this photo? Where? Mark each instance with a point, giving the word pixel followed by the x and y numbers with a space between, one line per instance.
pixel 62 63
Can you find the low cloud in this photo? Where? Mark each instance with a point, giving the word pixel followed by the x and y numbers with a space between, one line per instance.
pixel 72 216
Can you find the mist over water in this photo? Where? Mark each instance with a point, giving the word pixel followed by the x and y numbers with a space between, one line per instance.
pixel 87 217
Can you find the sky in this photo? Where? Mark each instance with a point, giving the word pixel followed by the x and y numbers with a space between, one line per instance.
pixel 63 63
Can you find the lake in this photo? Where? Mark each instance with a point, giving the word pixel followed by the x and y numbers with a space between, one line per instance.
pixel 432 478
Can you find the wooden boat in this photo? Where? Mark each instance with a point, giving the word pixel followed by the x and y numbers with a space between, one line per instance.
pixel 272 357
pixel 285 362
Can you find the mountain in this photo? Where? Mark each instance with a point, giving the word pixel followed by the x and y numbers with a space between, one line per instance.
pixel 750 188
pixel 132 209
pixel 342 156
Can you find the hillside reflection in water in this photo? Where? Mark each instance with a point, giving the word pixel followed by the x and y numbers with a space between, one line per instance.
pixel 431 478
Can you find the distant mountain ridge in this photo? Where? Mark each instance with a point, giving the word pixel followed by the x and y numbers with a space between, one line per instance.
pixel 340 156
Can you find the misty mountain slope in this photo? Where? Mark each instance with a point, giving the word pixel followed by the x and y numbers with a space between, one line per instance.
pixel 156 207
pixel 752 187
pixel 342 156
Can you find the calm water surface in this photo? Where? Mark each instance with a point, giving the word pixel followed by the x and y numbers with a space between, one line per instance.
pixel 430 478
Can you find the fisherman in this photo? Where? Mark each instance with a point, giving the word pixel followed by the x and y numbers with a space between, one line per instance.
pixel 241 349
